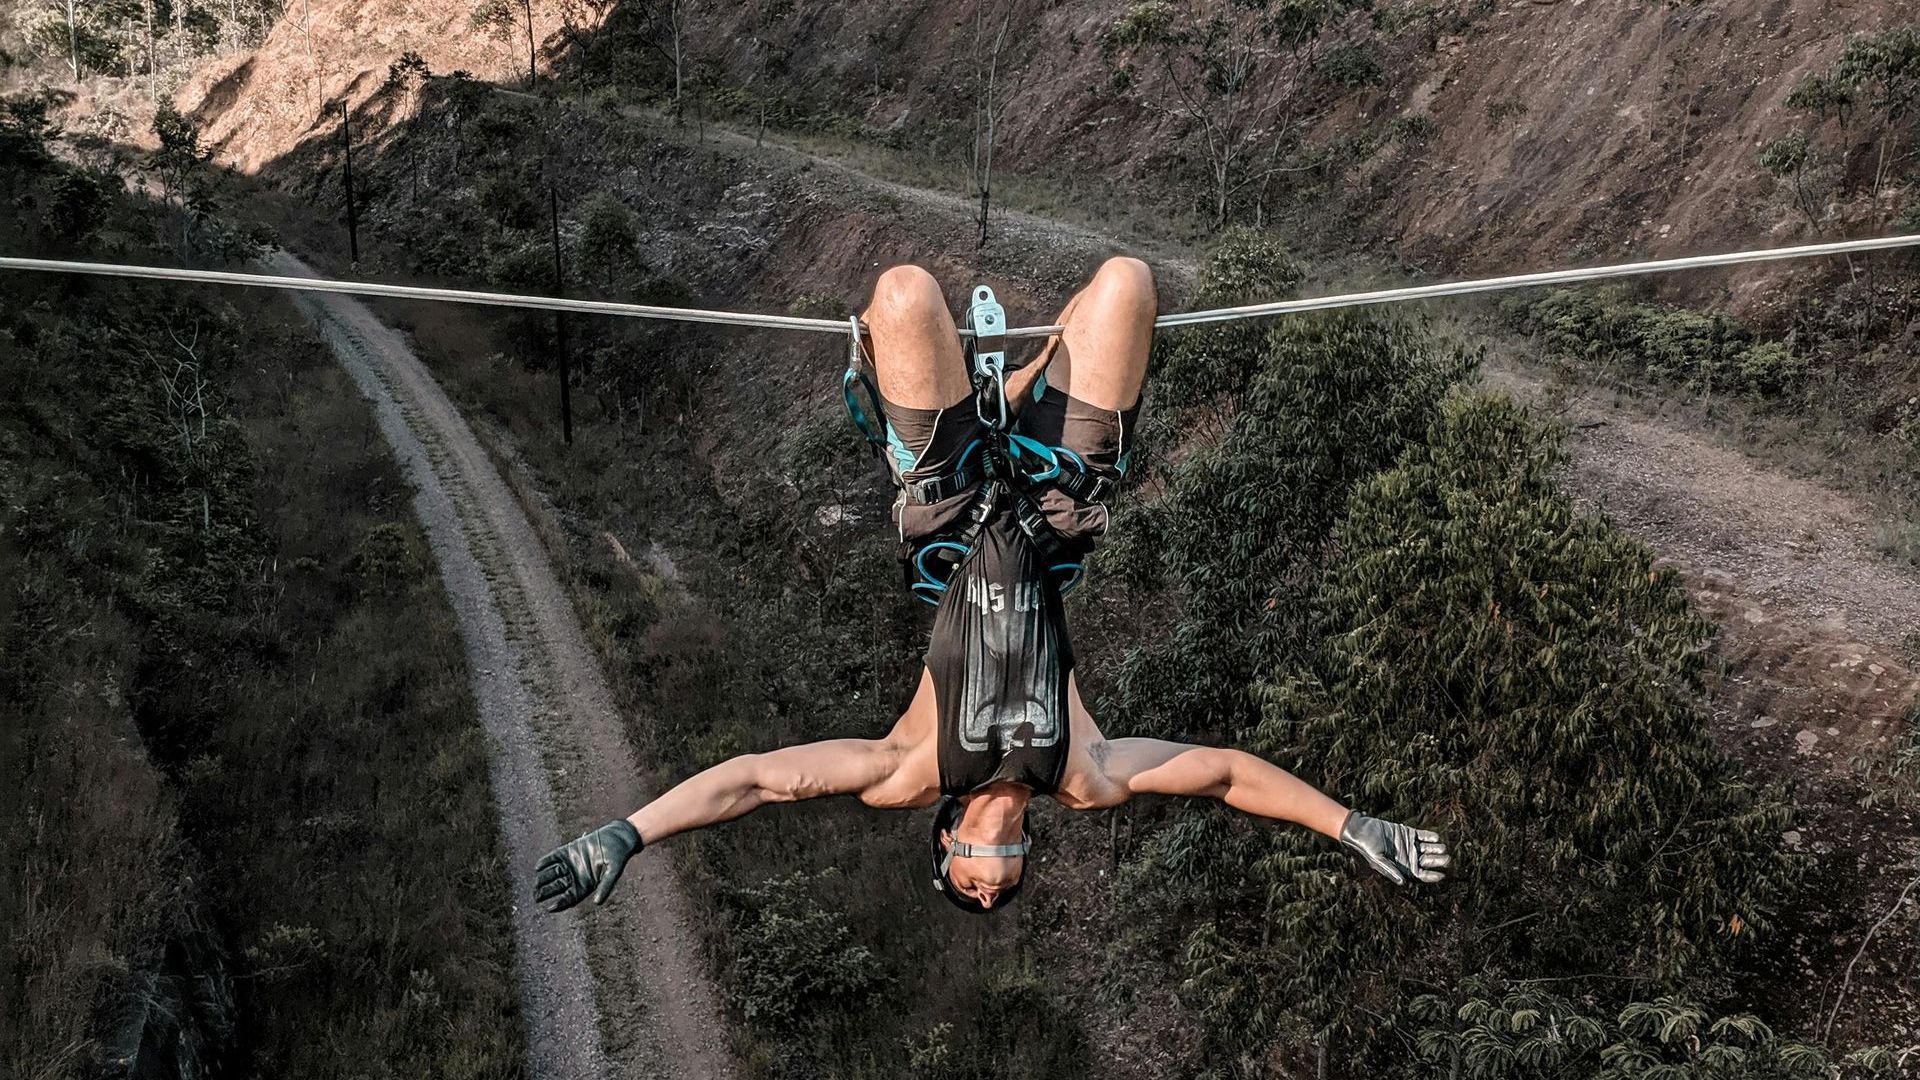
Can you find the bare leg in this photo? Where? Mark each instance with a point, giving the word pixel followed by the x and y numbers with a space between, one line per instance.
pixel 1101 356
pixel 915 346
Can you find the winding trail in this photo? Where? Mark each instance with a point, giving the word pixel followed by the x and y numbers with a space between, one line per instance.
pixel 560 758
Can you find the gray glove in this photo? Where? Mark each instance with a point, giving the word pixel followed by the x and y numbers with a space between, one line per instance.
pixel 1397 851
pixel 589 864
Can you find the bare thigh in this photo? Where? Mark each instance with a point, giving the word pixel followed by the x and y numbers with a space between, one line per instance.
pixel 1101 354
pixel 915 345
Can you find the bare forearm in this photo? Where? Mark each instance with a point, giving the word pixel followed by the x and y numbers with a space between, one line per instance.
pixel 740 785
pixel 721 793
pixel 1263 788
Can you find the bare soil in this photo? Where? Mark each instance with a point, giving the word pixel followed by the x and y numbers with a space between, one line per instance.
pixel 561 758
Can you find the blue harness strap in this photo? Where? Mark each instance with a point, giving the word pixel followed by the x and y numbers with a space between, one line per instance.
pixel 854 383
pixel 1008 468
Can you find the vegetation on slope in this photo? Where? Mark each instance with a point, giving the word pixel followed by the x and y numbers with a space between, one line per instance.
pixel 1302 474
pixel 253 829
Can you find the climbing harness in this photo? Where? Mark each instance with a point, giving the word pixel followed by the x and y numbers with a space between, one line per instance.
pixel 1008 468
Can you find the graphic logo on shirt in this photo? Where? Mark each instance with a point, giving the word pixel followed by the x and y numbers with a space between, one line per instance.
pixel 991 596
pixel 1012 693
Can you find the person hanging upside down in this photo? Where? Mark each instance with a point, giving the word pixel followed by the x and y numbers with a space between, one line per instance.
pixel 1001 477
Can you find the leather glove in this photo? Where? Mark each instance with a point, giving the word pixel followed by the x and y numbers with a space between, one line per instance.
pixel 590 864
pixel 1397 851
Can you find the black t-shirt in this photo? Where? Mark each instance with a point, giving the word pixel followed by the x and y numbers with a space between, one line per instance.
pixel 1000 658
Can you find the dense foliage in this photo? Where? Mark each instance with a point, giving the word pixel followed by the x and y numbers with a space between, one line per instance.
pixel 1517 675
pixel 252 822
pixel 731 559
pixel 1705 353
pixel 1299 412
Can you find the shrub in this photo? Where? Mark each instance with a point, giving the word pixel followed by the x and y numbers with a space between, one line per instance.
pixel 796 959
pixel 609 241
pixel 503 197
pixel 1240 533
pixel 1525 1030
pixel 1203 363
pixel 1707 352
pixel 1786 155
pixel 1499 667
pixel 1351 67
pixel 1413 128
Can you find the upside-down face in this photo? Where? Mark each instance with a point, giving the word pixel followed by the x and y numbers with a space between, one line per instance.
pixel 985 878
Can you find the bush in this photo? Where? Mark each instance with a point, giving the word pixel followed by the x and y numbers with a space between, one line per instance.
pixel 1205 363
pixel 1786 155
pixel 1526 1031
pixel 1519 677
pixel 1240 533
pixel 1351 67
pixel 797 959
pixel 609 241
pixel 1704 352
pixel 1413 128
pixel 503 197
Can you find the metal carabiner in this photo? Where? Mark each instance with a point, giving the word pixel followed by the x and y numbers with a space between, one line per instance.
pixel 988 321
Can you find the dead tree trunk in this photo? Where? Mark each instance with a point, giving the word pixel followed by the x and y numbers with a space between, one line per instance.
pixel 532 70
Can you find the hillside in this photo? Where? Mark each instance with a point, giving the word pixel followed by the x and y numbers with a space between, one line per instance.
pixel 659 499
pixel 1553 133
pixel 225 670
pixel 1694 804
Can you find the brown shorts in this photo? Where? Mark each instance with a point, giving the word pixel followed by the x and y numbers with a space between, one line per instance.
pixel 930 442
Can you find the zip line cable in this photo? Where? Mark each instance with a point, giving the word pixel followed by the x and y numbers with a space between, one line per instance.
pixel 840 326
pixel 415 292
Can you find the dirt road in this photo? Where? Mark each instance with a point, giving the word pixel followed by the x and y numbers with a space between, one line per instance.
pixel 1818 620
pixel 561 762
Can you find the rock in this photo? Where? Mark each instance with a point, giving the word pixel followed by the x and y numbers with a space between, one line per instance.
pixel 1764 722
pixel 1791 837
pixel 1807 739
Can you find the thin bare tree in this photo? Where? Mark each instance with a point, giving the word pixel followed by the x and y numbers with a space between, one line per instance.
pixel 987 108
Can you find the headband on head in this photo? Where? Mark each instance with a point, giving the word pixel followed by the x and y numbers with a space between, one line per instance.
pixel 947 819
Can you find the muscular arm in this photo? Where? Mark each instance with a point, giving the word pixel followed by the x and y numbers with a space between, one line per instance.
pixel 591 865
pixel 743 784
pixel 1130 767
pixel 1242 781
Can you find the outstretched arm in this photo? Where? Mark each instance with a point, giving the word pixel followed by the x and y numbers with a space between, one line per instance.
pixel 743 784
pixel 1153 766
pixel 592 864
pixel 1242 781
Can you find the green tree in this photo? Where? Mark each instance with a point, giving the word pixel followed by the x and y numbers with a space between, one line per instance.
pixel 1497 666
pixel 608 237
pixel 181 164
pixel 1880 73
pixel 1304 409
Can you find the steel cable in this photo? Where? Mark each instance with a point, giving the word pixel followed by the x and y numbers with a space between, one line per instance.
pixel 840 326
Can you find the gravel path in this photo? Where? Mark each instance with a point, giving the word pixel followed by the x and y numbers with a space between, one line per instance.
pixel 561 762
pixel 1794 549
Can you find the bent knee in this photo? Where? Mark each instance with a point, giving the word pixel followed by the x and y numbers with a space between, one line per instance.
pixel 906 287
pixel 1127 277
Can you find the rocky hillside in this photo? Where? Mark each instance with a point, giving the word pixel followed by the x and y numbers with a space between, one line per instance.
pixel 1472 135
